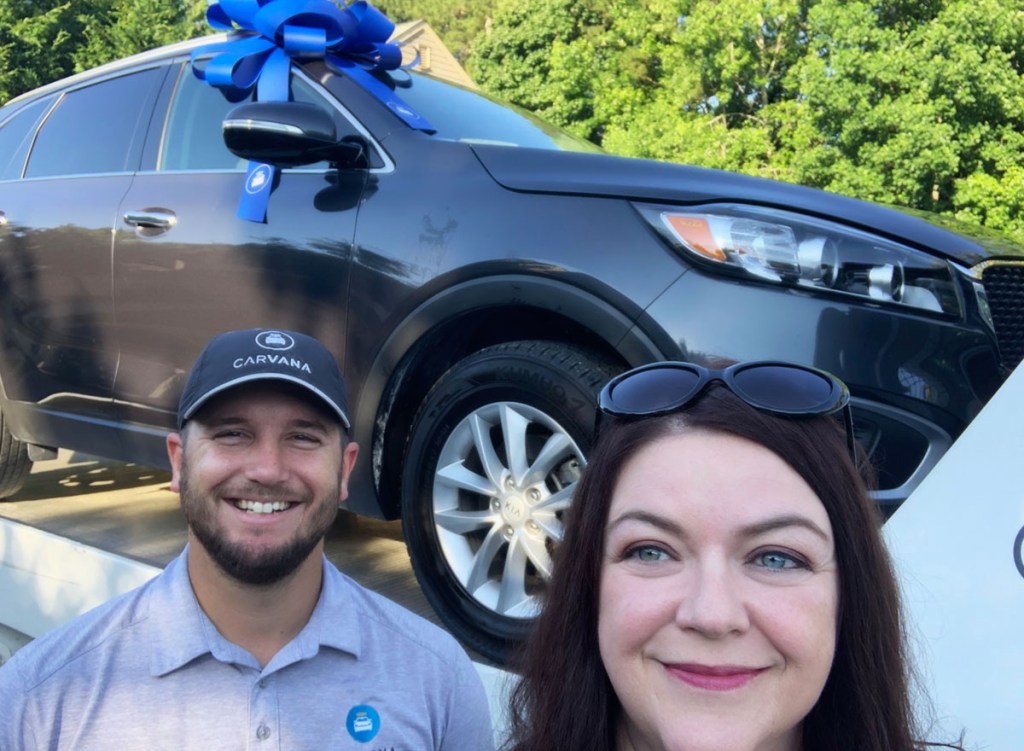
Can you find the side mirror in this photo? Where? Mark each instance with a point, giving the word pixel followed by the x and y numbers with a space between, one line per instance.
pixel 288 134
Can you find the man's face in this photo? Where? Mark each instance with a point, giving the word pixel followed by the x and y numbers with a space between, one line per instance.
pixel 261 471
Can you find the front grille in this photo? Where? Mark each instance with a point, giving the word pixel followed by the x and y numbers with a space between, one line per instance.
pixel 1004 287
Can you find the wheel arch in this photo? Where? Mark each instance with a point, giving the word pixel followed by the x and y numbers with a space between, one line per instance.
pixel 462 320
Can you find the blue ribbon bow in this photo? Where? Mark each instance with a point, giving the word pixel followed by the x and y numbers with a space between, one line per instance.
pixel 352 39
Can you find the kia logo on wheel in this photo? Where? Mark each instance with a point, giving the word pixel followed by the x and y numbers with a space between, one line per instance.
pixel 276 340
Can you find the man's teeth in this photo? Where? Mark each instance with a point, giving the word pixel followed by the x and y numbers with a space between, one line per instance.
pixel 256 507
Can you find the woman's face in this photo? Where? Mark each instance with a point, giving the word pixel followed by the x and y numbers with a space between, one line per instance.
pixel 718 597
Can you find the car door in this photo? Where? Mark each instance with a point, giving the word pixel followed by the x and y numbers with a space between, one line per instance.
pixel 186 267
pixel 59 344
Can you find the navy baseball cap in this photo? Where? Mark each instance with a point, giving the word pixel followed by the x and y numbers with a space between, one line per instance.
pixel 236 357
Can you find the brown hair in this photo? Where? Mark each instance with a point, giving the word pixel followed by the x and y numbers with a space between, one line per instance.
pixel 565 701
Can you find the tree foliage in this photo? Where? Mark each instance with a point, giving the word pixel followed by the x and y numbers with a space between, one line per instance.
pixel 911 112
pixel 37 42
pixel 912 103
pixel 43 40
pixel 124 27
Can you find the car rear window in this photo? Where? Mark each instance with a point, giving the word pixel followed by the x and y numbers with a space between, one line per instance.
pixel 16 137
pixel 95 129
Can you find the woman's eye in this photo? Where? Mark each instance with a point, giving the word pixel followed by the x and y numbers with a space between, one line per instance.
pixel 778 561
pixel 647 554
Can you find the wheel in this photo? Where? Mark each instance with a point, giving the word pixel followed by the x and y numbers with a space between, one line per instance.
pixel 14 462
pixel 492 459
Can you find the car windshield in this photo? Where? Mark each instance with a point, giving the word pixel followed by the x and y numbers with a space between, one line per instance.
pixel 460 114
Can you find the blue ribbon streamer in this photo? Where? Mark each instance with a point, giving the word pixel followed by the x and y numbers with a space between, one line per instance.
pixel 269 34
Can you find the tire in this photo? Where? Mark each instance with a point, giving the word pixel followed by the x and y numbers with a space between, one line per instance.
pixel 14 462
pixel 479 527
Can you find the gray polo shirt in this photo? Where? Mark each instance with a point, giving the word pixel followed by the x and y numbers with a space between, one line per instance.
pixel 149 670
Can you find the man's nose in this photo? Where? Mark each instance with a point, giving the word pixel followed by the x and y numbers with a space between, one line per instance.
pixel 266 463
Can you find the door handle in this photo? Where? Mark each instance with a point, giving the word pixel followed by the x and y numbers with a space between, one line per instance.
pixel 151 218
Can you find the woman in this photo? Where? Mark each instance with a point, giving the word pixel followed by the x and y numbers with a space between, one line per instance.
pixel 722 583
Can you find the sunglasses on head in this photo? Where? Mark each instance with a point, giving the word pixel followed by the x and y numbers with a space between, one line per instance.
pixel 779 388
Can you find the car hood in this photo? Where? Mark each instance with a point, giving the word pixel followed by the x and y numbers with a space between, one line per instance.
pixel 565 172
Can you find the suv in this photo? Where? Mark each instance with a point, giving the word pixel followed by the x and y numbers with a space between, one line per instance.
pixel 478 284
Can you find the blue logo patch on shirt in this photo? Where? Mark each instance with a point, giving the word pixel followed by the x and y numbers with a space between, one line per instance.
pixel 363 723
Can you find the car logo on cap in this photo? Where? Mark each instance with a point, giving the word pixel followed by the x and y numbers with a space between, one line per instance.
pixel 276 340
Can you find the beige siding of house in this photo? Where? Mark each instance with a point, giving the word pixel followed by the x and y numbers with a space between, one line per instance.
pixel 417 37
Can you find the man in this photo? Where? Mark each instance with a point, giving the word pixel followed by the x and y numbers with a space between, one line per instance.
pixel 250 638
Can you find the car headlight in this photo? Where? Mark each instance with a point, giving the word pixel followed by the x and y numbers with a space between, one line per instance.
pixel 785 248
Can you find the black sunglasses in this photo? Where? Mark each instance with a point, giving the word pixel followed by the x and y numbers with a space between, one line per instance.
pixel 780 388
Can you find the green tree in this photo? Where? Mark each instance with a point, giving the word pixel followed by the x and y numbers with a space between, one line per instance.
pixel 525 57
pixel 43 40
pixel 723 92
pixel 38 39
pixel 579 63
pixel 919 114
pixel 123 27
pixel 666 79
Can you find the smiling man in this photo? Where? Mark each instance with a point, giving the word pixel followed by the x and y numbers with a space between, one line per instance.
pixel 250 638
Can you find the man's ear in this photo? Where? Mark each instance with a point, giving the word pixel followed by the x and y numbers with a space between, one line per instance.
pixel 176 451
pixel 348 460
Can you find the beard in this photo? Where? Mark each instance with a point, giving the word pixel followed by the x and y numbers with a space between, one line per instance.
pixel 251 563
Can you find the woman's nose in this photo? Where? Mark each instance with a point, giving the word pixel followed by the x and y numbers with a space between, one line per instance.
pixel 713 602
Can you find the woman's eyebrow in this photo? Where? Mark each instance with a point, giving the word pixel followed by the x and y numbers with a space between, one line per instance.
pixel 751 530
pixel 782 522
pixel 646 517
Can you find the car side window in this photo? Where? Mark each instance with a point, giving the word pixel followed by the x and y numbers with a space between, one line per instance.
pixel 194 138
pixel 95 129
pixel 16 137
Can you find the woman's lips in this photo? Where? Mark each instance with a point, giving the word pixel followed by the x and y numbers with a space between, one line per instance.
pixel 713 677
